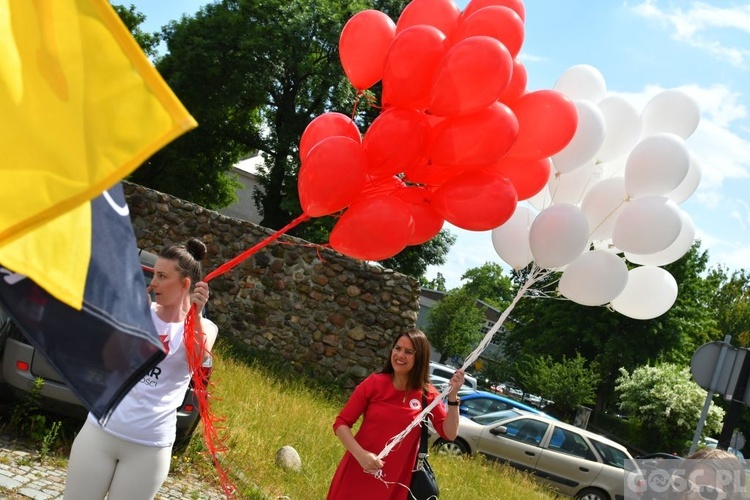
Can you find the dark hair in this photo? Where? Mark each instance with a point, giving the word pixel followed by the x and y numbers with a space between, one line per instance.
pixel 419 377
pixel 188 258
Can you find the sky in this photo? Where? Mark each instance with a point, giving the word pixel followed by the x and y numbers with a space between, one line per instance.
pixel 640 48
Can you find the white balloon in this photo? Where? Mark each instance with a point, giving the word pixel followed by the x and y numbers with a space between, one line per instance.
pixel 558 235
pixel 601 206
pixel 586 141
pixel 572 186
pixel 647 225
pixel 511 240
pixel 689 184
pixel 623 127
pixel 613 168
pixel 543 198
pixel 671 110
pixel 594 278
pixel 650 292
pixel 656 165
pixel 674 251
pixel 582 81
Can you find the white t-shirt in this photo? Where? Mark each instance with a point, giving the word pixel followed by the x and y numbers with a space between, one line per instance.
pixel 148 413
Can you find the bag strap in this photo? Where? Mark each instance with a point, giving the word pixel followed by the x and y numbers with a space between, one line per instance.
pixel 425 437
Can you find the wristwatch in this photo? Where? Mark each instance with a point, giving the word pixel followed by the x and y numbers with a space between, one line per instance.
pixel 455 403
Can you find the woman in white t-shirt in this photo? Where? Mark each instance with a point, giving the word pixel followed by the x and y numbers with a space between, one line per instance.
pixel 128 458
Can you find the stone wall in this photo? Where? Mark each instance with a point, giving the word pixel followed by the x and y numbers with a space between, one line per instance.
pixel 326 314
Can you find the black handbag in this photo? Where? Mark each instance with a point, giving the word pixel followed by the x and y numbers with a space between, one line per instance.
pixel 424 484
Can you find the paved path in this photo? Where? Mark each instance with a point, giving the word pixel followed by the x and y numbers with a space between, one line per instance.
pixel 22 476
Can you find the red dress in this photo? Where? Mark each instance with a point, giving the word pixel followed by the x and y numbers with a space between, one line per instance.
pixel 385 413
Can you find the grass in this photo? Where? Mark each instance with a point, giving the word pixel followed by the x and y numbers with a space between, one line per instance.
pixel 267 408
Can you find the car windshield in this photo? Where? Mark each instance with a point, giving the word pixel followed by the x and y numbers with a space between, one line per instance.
pixel 491 418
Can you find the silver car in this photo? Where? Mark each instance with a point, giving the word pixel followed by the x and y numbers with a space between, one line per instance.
pixel 576 462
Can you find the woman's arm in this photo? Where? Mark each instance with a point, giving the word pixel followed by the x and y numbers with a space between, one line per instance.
pixel 368 460
pixel 450 425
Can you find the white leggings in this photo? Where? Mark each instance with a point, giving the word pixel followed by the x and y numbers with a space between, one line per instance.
pixel 100 462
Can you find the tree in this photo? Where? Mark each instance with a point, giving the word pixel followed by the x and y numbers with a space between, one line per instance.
pixel 435 284
pixel 731 301
pixel 454 325
pixel 568 382
pixel 253 84
pixel 544 323
pixel 667 402
pixel 488 283
pixel 133 20
pixel 414 260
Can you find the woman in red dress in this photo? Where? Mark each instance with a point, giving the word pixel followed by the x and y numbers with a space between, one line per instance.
pixel 388 402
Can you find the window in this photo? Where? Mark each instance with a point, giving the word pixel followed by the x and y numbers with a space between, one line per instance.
pixel 611 455
pixel 572 443
pixel 476 406
pixel 527 431
pixel 481 406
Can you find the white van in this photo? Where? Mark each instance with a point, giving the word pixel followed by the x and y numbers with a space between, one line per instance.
pixel 440 373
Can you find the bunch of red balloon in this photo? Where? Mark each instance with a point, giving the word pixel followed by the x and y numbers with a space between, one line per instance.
pixel 459 138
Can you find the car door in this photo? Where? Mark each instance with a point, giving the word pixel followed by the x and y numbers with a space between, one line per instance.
pixel 568 462
pixel 515 442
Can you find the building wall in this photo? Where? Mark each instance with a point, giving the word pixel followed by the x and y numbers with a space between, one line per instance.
pixel 244 208
pixel 317 310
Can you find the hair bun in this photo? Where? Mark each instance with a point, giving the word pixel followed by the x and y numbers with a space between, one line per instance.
pixel 196 248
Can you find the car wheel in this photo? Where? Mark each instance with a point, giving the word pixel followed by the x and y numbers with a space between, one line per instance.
pixel 592 494
pixel 454 448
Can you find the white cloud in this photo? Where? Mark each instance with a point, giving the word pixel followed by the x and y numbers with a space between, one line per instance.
pixel 699 26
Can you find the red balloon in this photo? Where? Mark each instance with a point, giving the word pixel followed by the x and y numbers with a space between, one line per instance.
pixel 442 14
pixel 515 5
pixel 363 45
pixel 473 74
pixel 528 176
pixel 410 66
pixel 327 125
pixel 477 201
pixel 331 176
pixel 427 222
pixel 432 175
pixel 396 139
pixel 477 139
pixel 547 121
pixel 374 228
pixel 497 22
pixel 517 86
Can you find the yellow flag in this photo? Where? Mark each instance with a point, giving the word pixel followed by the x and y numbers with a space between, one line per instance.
pixel 81 107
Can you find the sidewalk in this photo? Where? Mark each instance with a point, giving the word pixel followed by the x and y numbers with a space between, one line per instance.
pixel 22 476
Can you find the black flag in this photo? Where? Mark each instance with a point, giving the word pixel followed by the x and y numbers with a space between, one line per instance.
pixel 104 348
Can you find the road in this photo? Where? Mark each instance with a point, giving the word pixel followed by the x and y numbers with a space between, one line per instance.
pixel 24 476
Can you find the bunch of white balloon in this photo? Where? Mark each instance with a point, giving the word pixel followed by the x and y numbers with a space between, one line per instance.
pixel 613 195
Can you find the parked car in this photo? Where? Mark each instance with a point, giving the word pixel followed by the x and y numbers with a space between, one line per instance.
pixel 499 388
pixel 532 399
pixel 482 403
pixel 515 392
pixel 446 372
pixel 576 462
pixel 22 365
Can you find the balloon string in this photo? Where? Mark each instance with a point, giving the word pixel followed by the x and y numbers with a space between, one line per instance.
pixel 356 103
pixel 535 275
pixel 610 214
pixel 200 373
pixel 247 253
